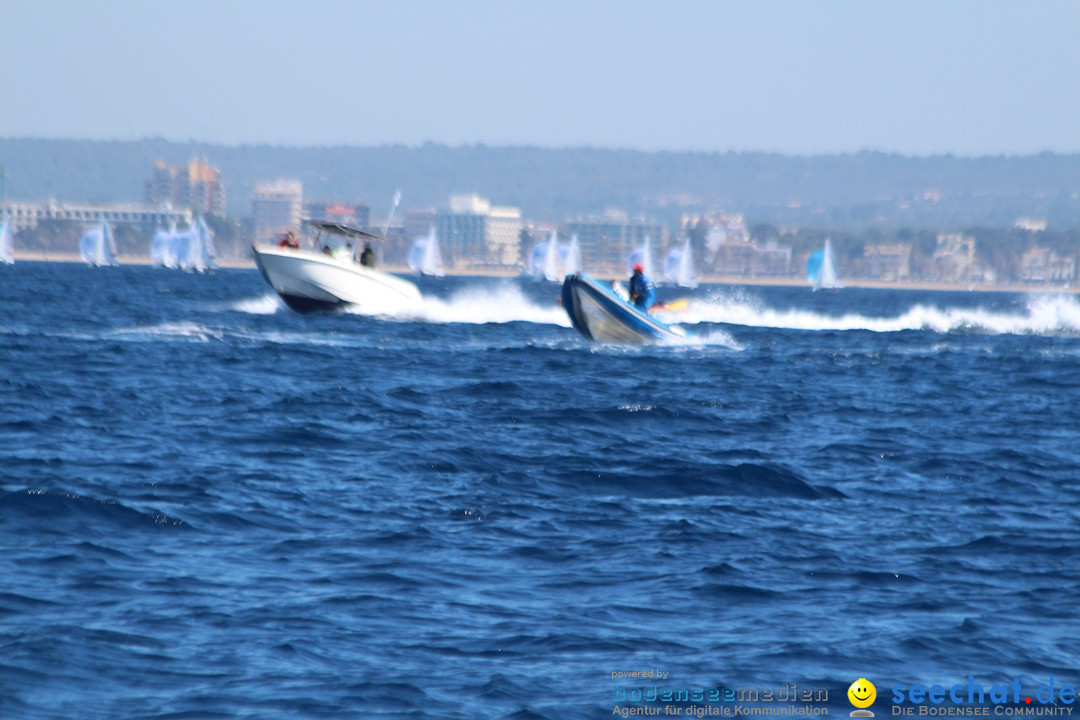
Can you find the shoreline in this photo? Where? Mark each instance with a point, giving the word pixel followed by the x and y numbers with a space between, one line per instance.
pixel 866 284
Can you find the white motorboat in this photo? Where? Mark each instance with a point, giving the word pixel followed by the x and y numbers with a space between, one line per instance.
pixel 331 275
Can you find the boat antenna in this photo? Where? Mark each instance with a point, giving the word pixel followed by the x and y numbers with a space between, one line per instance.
pixel 393 207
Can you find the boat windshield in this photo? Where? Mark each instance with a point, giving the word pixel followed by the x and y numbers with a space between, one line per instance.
pixel 340 241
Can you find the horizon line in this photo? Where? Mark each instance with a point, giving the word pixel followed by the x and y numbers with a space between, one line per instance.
pixel 533 146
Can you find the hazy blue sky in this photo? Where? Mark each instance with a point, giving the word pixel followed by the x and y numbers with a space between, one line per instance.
pixel 969 77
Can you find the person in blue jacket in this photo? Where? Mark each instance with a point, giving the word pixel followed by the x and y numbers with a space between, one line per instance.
pixel 642 290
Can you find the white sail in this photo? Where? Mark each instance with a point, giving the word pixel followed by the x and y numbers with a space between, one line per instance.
pixel 163 248
pixel 193 249
pixel 433 264
pixel 207 251
pixel 97 247
pixel 545 260
pixel 572 257
pixel 551 259
pixel 827 279
pixel 182 244
pixel 7 254
pixel 425 257
pixel 679 266
pixel 642 255
pixel 536 260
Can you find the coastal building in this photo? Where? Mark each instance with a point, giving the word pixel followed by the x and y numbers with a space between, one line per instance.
pixel 730 255
pixel 355 215
pixel 736 255
pixel 607 240
pixel 954 258
pixel 27 215
pixel 772 260
pixel 730 250
pixel 418 223
pixel 474 233
pixel 196 186
pixel 1042 265
pixel 724 237
pixel 890 263
pixel 277 207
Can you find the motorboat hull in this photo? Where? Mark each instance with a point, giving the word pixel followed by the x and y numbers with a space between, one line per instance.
pixel 599 314
pixel 309 282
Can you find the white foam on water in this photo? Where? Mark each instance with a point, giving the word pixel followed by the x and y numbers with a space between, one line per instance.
pixel 169 331
pixel 266 305
pixel 712 338
pixel 302 338
pixel 1045 314
pixel 476 305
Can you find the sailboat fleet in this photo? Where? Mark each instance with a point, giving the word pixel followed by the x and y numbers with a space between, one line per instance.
pixel 551 262
pixel 332 273
pixel 191 250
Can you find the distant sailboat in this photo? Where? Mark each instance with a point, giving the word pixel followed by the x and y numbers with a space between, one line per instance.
pixel 679 266
pixel 536 261
pixel 642 255
pixel 571 257
pixel 821 269
pixel 163 248
pixel 98 247
pixel 545 260
pixel 202 255
pixel 425 258
pixel 7 254
pixel 551 259
pixel 191 250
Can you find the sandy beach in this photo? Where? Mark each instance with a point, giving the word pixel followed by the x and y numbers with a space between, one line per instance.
pixel 248 263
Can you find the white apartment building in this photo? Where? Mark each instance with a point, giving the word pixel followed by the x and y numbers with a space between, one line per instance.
pixel 473 232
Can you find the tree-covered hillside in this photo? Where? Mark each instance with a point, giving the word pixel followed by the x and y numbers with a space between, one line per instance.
pixel 837 192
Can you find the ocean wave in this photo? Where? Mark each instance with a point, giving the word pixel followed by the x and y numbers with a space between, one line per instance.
pixel 186 331
pixel 54 511
pixel 684 478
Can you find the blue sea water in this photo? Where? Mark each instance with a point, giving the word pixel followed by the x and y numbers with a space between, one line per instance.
pixel 213 507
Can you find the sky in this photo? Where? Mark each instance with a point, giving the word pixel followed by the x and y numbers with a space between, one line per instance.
pixel 802 77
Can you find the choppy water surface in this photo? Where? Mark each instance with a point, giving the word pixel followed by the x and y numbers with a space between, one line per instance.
pixel 213 507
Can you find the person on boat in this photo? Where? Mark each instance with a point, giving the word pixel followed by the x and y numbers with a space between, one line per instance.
pixel 367 258
pixel 288 240
pixel 642 290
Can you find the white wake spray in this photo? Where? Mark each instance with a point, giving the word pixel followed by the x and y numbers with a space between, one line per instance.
pixel 477 305
pixel 266 305
pixel 1045 314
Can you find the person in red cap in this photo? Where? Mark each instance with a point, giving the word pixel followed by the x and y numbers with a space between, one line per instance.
pixel 642 290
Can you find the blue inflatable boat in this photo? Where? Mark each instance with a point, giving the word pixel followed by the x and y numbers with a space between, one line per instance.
pixel 598 313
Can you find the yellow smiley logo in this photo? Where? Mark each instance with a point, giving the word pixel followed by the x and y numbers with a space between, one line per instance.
pixel 862 693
